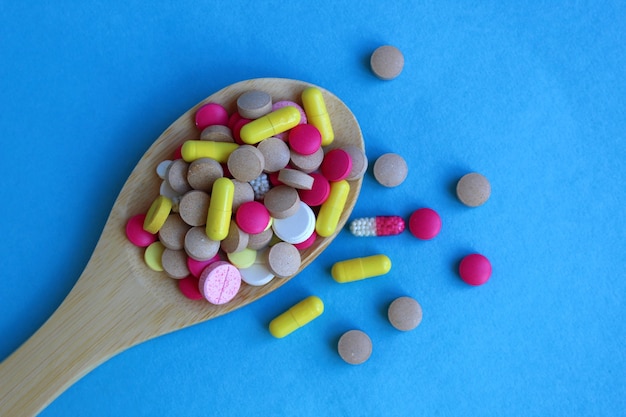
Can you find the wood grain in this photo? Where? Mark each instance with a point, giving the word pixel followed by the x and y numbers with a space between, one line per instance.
pixel 118 302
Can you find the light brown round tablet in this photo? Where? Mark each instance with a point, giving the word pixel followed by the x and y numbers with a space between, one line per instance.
pixel 193 207
pixel 387 62
pixel 203 172
pixel 243 192
pixel 390 170
pixel 236 240
pixel 177 176
pixel 261 240
pixel 404 313
pixel 473 189
pixel 307 163
pixel 254 104
pixel 283 259
pixel 199 246
pixel 295 178
pixel 355 347
pixel 175 263
pixel 217 133
pixel 172 233
pixel 246 163
pixel 282 201
pixel 359 162
pixel 275 152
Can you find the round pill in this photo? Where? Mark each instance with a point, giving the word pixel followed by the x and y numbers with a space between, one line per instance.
pixel 189 288
pixel 203 172
pixel 175 263
pixel 254 104
pixel 136 233
pixel 211 114
pixel 425 223
pixel 243 192
pixel 359 162
pixel 336 165
pixel 199 246
pixel 282 201
pixel 387 62
pixel 295 178
pixel 252 217
pixel 220 282
pixel 193 207
pixel 260 240
pixel 243 259
pixel 177 176
pixel 296 228
pixel 162 168
pixel 305 139
pixel 217 133
pixel 152 256
pixel 307 163
pixel 307 243
pixel 275 153
pixel 404 313
pixel 235 240
pixel 473 189
pixel 172 234
pixel 258 273
pixel 475 269
pixel 283 259
pixel 246 163
pixel 355 347
pixel 318 193
pixel 157 214
pixel 390 170
pixel 196 267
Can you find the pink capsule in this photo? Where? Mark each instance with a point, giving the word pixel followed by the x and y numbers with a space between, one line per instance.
pixel 377 226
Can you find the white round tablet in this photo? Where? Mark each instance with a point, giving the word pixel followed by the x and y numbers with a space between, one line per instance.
pixel 296 228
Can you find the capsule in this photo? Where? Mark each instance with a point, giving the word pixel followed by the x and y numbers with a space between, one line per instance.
pixel 377 226
pixel 316 113
pixel 331 209
pixel 360 268
pixel 271 124
pixel 196 149
pixel 220 209
pixel 297 316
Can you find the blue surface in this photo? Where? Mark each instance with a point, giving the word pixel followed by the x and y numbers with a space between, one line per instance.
pixel 532 96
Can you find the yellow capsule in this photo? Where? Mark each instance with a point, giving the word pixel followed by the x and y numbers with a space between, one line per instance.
pixel 360 268
pixel 297 316
pixel 269 125
pixel 220 209
pixel 196 149
pixel 331 209
pixel 157 214
pixel 316 113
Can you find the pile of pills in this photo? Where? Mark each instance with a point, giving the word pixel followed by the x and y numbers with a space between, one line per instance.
pixel 239 202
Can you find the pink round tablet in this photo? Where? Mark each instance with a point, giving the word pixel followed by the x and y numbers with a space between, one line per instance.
pixel 219 282
pixel 196 267
pixel 234 118
pixel 252 217
pixel 318 193
pixel 336 165
pixel 425 223
pixel 305 139
pixel 211 114
pixel 189 287
pixel 136 234
pixel 307 243
pixel 475 269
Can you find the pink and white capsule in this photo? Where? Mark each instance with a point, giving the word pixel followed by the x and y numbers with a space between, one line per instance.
pixel 377 226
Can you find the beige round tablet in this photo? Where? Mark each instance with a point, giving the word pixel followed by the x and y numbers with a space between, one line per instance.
pixel 390 170
pixel 275 152
pixel 261 240
pixel 172 233
pixel 359 162
pixel 175 263
pixel 217 133
pixel 387 62
pixel 246 163
pixel 282 201
pixel 404 313
pixel 283 259
pixel 307 163
pixel 295 178
pixel 473 189
pixel 236 240
pixel 199 246
pixel 355 347
pixel 193 207
pixel 203 172
pixel 177 176
pixel 254 104
pixel 243 192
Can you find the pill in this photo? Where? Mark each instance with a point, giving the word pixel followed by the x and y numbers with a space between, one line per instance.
pixel 318 193
pixel 220 209
pixel 336 165
pixel 260 240
pixel 136 233
pixel 236 239
pixel 283 103
pixel 305 139
pixel 297 316
pixel 269 125
pixel 198 246
pixel 188 286
pixel 307 243
pixel 475 269
pixel 295 178
pixel 196 149
pixel 296 228
pixel 203 172
pixel 175 263
pixel 246 163
pixel 172 234
pixel 193 207
pixel 283 259
pixel 254 104
pixel 307 163
pixel 473 189
pixel 162 168
pixel 387 62
pixel 425 223
pixel 317 113
pixel 404 313
pixel 390 170
pixel 211 114
pixel 355 347
pixel 258 273
pixel 331 210
pixel 237 129
pixel 252 217
pixel 152 256
pixel 282 201
pixel 177 176
pixel 243 192
pixel 157 214
pixel 217 133
pixel 196 267
pixel 275 153
pixel 377 226
pixel 360 268
pixel 359 162
pixel 219 282
pixel 243 258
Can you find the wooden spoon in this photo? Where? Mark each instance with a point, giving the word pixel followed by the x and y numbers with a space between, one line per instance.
pixel 118 301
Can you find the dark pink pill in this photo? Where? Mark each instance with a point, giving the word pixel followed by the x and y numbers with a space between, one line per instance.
pixel 305 139
pixel 425 223
pixel 307 243
pixel 189 287
pixel 211 114
pixel 136 234
pixel 318 193
pixel 252 217
pixel 475 269
pixel 196 267
pixel 336 165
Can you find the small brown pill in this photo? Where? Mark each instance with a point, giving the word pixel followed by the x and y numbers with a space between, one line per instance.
pixel 172 233
pixel 387 62
pixel 175 263
pixel 236 240
pixel 198 245
pixel 282 201
pixel 276 154
pixel 355 347
pixel 473 189
pixel 217 133
pixel 307 163
pixel 194 207
pixel 177 176
pixel 404 313
pixel 295 178
pixel 261 240
pixel 390 170
pixel 254 104
pixel 246 163
pixel 359 162
pixel 283 259
pixel 203 172
pixel 243 192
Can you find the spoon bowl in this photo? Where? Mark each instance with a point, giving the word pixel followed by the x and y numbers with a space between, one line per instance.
pixel 118 301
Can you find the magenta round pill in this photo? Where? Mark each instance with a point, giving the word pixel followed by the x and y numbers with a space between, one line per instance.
pixel 189 288
pixel 307 243
pixel 252 217
pixel 318 193
pixel 220 282
pixel 425 223
pixel 305 139
pixel 475 269
pixel 136 233
pixel 196 267
pixel 211 114
pixel 336 165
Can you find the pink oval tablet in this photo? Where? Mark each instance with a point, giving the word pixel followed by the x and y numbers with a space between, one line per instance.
pixel 318 193
pixel 252 217
pixel 305 139
pixel 196 267
pixel 336 165
pixel 136 234
pixel 211 114
pixel 475 269
pixel 189 287
pixel 425 223
pixel 219 282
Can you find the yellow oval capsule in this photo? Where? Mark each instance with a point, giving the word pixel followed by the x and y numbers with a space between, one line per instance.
pixel 157 214
pixel 297 316
pixel 220 209
pixel 331 209
pixel 360 268
pixel 196 149
pixel 317 114
pixel 269 125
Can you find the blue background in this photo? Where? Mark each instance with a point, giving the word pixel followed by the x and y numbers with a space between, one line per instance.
pixel 533 96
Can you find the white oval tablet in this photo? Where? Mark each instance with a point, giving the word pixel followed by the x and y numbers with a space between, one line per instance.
pixel 296 228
